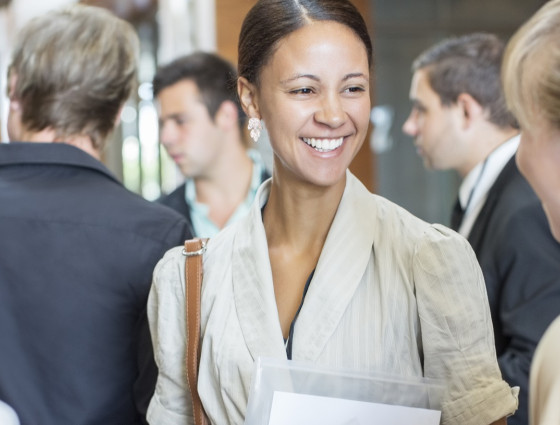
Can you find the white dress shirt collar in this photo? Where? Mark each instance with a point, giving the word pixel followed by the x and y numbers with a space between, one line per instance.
pixel 475 186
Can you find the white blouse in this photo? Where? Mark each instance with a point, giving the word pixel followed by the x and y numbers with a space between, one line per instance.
pixel 390 293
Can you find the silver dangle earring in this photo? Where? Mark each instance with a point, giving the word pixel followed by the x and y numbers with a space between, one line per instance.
pixel 255 128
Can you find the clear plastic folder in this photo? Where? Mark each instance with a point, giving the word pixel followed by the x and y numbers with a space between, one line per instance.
pixel 293 393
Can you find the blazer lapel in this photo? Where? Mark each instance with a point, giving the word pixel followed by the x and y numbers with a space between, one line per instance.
pixel 480 226
pixel 252 285
pixel 339 271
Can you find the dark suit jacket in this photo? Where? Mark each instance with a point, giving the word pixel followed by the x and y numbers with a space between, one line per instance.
pixel 521 264
pixel 77 251
pixel 176 200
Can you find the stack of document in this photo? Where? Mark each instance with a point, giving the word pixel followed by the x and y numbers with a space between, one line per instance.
pixel 296 393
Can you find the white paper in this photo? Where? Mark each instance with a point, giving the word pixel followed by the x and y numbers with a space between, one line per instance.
pixel 303 409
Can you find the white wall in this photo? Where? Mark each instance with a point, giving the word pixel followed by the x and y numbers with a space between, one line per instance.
pixel 185 26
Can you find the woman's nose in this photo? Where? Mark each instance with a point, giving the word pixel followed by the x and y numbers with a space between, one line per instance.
pixel 331 111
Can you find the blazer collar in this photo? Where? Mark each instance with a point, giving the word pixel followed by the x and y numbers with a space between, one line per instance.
pixel 480 226
pixel 61 154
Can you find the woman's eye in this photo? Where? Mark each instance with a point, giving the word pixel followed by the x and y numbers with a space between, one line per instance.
pixel 355 89
pixel 304 90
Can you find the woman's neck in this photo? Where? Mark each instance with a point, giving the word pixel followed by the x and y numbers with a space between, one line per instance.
pixel 300 215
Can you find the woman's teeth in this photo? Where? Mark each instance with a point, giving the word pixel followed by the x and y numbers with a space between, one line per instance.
pixel 324 145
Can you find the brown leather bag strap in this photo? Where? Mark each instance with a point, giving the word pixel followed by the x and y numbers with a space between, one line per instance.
pixel 194 248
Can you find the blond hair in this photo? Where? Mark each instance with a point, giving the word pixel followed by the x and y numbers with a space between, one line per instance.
pixel 74 67
pixel 531 68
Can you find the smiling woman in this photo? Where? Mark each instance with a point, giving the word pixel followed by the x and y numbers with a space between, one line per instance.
pixel 321 270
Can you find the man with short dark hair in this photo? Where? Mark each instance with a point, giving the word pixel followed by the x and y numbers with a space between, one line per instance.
pixel 459 121
pixel 201 127
pixel 77 249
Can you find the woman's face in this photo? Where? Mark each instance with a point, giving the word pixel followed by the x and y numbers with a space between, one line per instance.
pixel 538 158
pixel 314 99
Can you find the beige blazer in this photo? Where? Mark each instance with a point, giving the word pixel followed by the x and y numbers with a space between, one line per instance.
pixel 390 293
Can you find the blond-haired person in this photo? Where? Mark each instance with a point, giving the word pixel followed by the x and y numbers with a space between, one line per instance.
pixel 77 248
pixel 531 77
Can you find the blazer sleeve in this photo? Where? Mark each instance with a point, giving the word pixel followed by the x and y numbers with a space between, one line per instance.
pixel 456 329
pixel 171 402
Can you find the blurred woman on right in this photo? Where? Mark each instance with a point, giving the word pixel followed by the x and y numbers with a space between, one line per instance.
pixel 531 78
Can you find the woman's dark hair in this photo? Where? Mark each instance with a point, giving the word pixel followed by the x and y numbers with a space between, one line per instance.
pixel 269 21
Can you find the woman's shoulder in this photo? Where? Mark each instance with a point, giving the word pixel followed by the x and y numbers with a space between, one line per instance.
pixel 396 229
pixel 410 227
pixel 168 271
pixel 386 213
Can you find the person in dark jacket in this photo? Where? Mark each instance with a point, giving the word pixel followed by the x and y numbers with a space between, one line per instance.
pixel 77 249
pixel 201 128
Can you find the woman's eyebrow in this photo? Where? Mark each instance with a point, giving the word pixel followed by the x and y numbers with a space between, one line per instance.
pixel 298 76
pixel 316 78
pixel 354 75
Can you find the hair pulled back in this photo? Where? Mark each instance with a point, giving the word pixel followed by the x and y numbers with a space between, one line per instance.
pixel 269 21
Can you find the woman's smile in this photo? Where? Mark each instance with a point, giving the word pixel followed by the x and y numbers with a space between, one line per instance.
pixel 324 145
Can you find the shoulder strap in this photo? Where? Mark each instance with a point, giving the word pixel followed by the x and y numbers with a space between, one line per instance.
pixel 194 248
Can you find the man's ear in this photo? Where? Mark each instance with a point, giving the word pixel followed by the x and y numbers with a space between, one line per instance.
pixel 471 110
pixel 227 115
pixel 248 96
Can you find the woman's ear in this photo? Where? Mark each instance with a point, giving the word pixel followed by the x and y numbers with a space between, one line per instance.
pixel 248 97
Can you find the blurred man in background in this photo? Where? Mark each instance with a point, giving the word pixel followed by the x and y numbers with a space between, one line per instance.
pixel 201 127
